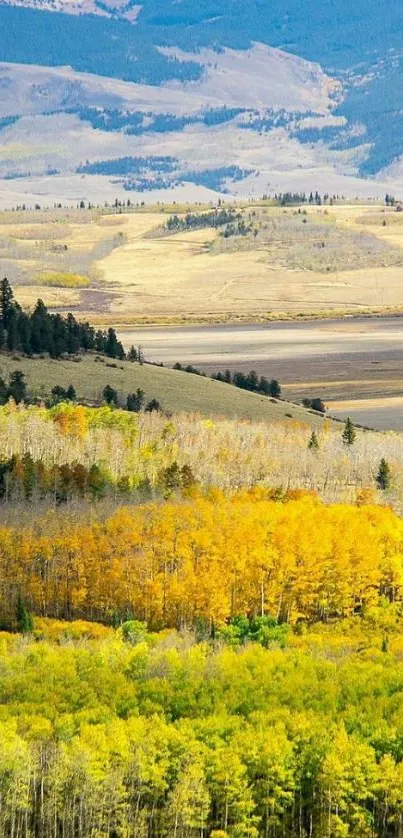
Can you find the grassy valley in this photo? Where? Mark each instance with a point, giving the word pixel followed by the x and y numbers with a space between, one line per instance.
pixel 270 262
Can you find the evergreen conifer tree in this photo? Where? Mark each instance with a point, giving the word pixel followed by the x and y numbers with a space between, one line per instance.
pixel 133 355
pixel 135 401
pixel 349 433
pixel 313 444
pixel 17 387
pixel 275 389
pixel 383 476
pixel 25 623
pixel 6 301
pixel 110 395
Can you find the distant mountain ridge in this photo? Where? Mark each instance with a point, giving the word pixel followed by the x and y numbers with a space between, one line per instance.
pixel 124 9
pixel 308 88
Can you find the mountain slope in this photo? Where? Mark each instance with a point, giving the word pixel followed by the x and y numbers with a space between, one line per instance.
pixel 307 96
pixel 339 35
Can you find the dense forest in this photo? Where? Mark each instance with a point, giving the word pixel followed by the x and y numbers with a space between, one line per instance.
pixel 128 166
pixel 89 44
pixel 199 221
pixel 39 331
pixel 184 660
pixel 117 732
pixel 145 122
pixel 205 557
pixel 112 47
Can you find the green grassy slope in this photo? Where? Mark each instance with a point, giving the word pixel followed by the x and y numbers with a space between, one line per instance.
pixel 176 391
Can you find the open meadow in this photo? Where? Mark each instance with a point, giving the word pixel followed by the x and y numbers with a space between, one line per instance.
pixel 281 261
pixel 250 263
pixel 176 391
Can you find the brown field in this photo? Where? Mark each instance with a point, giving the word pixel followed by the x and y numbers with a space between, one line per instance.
pixel 192 276
pixel 181 276
pixel 355 360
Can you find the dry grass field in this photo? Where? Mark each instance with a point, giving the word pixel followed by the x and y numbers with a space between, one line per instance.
pixel 177 392
pixel 333 260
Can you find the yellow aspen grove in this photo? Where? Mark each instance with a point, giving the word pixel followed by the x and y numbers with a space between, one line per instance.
pixel 208 557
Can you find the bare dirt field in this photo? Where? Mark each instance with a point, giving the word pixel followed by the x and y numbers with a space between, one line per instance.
pixel 355 366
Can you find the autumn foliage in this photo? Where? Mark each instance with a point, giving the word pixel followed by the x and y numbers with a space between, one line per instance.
pixel 160 737
pixel 207 557
pixel 193 644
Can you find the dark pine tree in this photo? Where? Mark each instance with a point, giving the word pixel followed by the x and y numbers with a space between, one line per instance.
pixel 383 476
pixel 25 623
pixel 152 406
pixel 17 388
pixel 12 341
pixel 349 434
pixel 42 331
pixel 135 401
pixel 112 344
pixel 6 301
pixel 133 354
pixel 275 389
pixel 110 395
pixel 24 333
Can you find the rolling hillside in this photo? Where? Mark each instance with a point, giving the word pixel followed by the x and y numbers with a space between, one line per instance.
pixel 305 96
pixel 176 391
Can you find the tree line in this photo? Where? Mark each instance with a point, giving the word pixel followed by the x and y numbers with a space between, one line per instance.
pixel 41 332
pixel 16 390
pixel 288 199
pixel 197 221
pixel 250 381
pixel 22 478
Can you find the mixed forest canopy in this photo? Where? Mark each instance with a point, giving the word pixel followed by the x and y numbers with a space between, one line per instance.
pixel 200 618
pixel 183 660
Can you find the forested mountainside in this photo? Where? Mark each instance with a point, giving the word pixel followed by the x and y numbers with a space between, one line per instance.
pixel 338 35
pixel 331 96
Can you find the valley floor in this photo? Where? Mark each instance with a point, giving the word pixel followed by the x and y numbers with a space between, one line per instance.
pixel 355 365
pixel 304 269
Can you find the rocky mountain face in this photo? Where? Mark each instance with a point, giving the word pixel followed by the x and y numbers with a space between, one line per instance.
pixel 110 98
